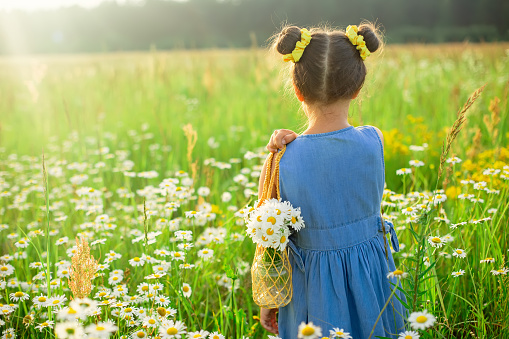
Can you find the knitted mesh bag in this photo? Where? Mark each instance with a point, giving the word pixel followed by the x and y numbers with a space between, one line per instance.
pixel 271 272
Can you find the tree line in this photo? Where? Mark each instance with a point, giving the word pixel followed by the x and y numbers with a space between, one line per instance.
pixel 166 24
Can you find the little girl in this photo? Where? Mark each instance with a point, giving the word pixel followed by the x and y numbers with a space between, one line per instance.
pixel 335 173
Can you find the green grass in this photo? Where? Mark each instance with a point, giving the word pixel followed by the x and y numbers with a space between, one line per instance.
pixel 72 107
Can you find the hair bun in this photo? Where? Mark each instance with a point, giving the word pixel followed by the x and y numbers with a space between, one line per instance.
pixel 370 37
pixel 287 39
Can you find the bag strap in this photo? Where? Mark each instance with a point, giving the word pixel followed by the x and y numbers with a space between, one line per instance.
pixel 385 237
pixel 271 179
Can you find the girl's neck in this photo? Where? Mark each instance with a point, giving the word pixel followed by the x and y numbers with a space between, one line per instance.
pixel 324 119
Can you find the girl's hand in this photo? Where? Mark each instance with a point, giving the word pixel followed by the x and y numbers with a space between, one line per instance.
pixel 279 138
pixel 268 319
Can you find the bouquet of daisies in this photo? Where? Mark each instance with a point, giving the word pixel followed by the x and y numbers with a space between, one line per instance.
pixel 273 222
pixel 269 225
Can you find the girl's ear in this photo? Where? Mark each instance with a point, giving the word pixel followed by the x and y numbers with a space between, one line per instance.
pixel 356 94
pixel 298 93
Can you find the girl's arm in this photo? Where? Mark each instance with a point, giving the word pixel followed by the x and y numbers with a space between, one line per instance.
pixel 279 138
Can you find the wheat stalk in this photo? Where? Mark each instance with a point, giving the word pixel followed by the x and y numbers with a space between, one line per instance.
pixel 456 127
pixel 191 137
pixel 82 270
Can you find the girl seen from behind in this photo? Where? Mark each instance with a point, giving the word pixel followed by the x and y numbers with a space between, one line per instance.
pixel 335 173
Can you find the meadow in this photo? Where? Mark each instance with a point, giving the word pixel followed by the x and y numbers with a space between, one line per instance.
pixel 154 159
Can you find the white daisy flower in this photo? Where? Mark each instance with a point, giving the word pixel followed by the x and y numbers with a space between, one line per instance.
pixel 397 274
pixel 409 335
pixel 421 320
pixel 197 335
pixel 501 271
pixel 403 171
pixel 69 330
pixel 206 253
pixel 217 335
pixel 41 301
pixel 460 253
pixel 416 163
pixel 186 290
pixel 19 296
pixel 336 332
pixel 46 324
pixel 453 160
pixel 458 273
pixel 172 329
pixel 436 241
pixel 309 331
pixel 101 329
pixel 487 260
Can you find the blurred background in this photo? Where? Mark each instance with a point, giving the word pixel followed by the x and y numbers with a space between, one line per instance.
pixel 76 26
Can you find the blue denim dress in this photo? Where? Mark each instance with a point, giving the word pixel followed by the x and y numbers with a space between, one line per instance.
pixel 338 260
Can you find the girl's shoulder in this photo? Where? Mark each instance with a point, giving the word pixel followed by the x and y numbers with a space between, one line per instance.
pixel 372 128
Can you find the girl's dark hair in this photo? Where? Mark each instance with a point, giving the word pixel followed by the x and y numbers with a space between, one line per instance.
pixel 331 67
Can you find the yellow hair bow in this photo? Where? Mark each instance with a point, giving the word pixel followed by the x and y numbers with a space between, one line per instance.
pixel 357 40
pixel 305 38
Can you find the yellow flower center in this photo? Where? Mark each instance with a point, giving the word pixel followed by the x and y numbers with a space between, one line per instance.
pixel 197 335
pixel 459 251
pixel 177 254
pixel 409 209
pixel 186 289
pixel 102 294
pixel 71 311
pixel 136 259
pixel 282 240
pixel 436 240
pixel 278 212
pixel 44 324
pixel 172 331
pixel 144 288
pixel 339 333
pixel 421 319
pixel 161 311
pixel 4 268
pixel 408 337
pixel 270 231
pixel 140 334
pixel 56 302
pixel 151 321
pixel 215 336
pixel 397 272
pixel 294 220
pixel 205 252
pixel 272 220
pixel 64 272
pixel 308 330
pixel 18 294
pixel 99 328
pixel 259 218
pixel 128 309
pixel 500 271
pixel 41 299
